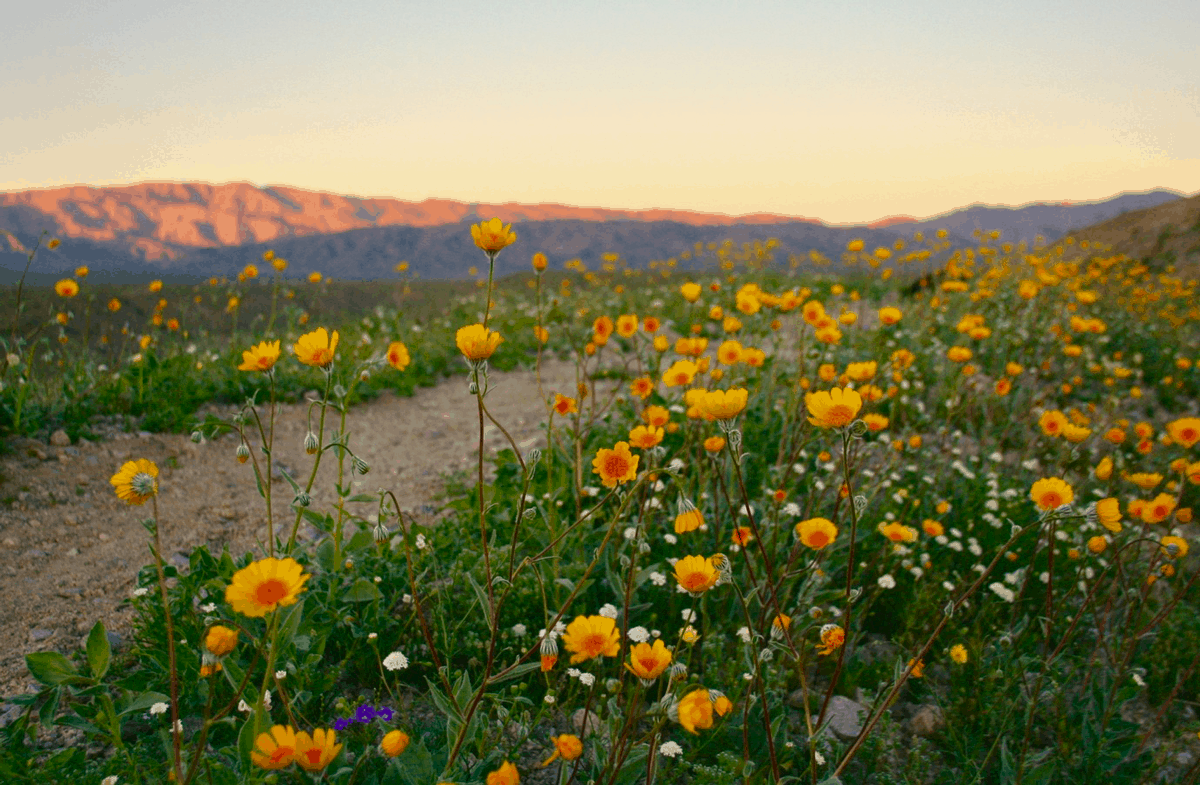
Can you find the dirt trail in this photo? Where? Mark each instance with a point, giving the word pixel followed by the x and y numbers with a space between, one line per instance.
pixel 70 550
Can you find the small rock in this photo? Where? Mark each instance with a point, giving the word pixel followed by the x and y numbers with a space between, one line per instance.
pixel 60 439
pixel 143 434
pixel 83 479
pixel 845 717
pixel 9 542
pixel 927 721
pixel 73 552
pixel 34 553
pixel 38 452
pixel 39 634
pixel 115 641
pixel 582 718
pixel 71 519
pixel 69 593
pixel 103 536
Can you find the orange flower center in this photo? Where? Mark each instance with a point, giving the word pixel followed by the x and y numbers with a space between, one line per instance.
pixel 594 643
pixel 818 539
pixel 615 466
pixel 839 414
pixel 1189 435
pixel 270 592
pixel 282 753
pixel 694 581
pixel 314 756
pixel 1051 500
pixel 648 664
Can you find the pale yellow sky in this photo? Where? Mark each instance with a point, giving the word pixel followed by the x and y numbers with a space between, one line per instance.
pixel 833 113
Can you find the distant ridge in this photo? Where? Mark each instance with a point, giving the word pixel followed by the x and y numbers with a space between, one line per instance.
pixel 198 229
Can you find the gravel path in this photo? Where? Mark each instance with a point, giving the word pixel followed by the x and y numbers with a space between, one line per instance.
pixel 70 550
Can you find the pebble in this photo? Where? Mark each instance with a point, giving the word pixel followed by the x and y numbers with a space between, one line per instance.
pixel 69 593
pixel 60 438
pixel 103 536
pixel 927 721
pixel 39 634
pixel 34 553
pixel 73 552
pixel 9 542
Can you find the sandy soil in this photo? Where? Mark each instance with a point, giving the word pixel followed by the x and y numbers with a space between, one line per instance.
pixel 70 550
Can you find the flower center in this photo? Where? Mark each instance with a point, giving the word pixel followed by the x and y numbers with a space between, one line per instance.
pixel 648 663
pixel 314 756
pixel 616 466
pixel 282 753
pixel 818 539
pixel 1051 500
pixel 594 643
pixel 839 414
pixel 270 592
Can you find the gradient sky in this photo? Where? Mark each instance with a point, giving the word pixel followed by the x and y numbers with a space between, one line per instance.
pixel 847 112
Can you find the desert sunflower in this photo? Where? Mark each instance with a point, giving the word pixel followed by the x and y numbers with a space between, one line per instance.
pixel 136 482
pixel 265 585
pixel 261 357
pixel 833 408
pixel 275 748
pixel 316 348
pixel 617 465
pixel 315 752
pixel 592 636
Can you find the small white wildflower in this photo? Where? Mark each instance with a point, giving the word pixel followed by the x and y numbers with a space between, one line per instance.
pixel 1030 465
pixel 587 679
pixel 975 549
pixel 791 508
pixel 671 539
pixel 609 610
pixel 280 675
pixel 1044 577
pixel 421 542
pixel 688 615
pixel 639 634
pixel 676 465
pixel 747 677
pixel 395 661
pixel 1002 591
pixel 992 504
pixel 654 503
pixel 658 579
pixel 372 636
pixel 1137 679
pixel 548 698
pixel 670 749
pixel 630 532
pixel 744 634
pixel 208 607
pixel 159 708
pixel 178 727
pixel 243 706
pixel 109 780
pixel 141 591
pixel 947 585
pixel 955 546
pixel 886 582
pixel 519 630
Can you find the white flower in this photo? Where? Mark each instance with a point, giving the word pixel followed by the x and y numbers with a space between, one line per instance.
pixel 791 508
pixel 975 549
pixel 208 607
pixel 744 634
pixel 947 585
pixel 519 630
pixel 1137 679
pixel 141 591
pixel 280 675
pixel 372 636
pixel 658 579
pixel 630 532
pixel 609 610
pixel 676 465
pixel 421 542
pixel 819 758
pixel 670 749
pixel 591 490
pixel 243 706
pixel 109 780
pixel 159 708
pixel 178 726
pixel 1030 465
pixel 688 615
pixel 886 582
pixel 395 661
pixel 267 699
pixel 1002 591
pixel 639 634
pixel 587 679
pixel 671 539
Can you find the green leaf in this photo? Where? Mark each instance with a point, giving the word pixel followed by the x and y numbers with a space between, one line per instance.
pixel 363 497
pixel 291 621
pixel 74 721
pixel 482 597
pixel 362 590
pixel 414 767
pixel 99 653
pixel 517 672
pixel 50 667
pixel 442 702
pixel 359 541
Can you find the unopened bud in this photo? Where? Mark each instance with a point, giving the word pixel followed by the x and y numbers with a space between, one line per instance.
pixel 243 453
pixel 364 376
pixel 339 391
pixel 197 437
pixel 302 499
pixel 359 465
pixel 380 533
pixel 311 445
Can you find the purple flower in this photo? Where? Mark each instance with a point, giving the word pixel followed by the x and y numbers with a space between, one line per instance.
pixel 364 714
pixel 341 724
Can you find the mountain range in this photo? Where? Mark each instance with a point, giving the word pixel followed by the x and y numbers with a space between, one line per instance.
pixel 191 230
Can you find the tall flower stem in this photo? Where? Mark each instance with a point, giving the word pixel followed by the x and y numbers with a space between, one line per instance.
pixel 162 587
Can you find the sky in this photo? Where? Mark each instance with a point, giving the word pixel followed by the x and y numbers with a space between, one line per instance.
pixel 848 112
